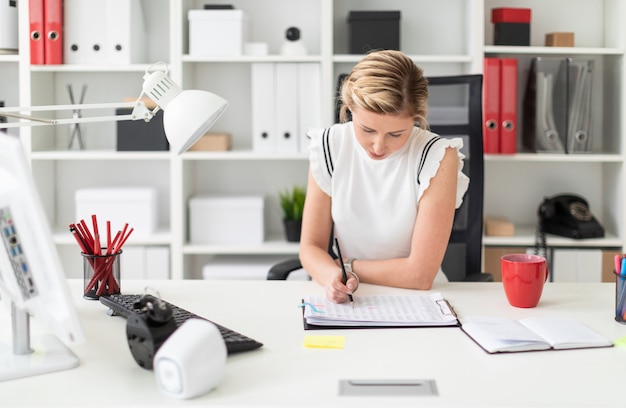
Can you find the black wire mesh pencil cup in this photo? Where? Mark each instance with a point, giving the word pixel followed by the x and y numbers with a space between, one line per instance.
pixel 620 297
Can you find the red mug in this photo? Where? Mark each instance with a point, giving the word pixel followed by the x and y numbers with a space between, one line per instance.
pixel 523 276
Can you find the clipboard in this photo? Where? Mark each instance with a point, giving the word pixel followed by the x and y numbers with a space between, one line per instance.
pixel 379 312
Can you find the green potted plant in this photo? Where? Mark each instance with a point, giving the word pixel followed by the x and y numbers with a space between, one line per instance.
pixel 292 204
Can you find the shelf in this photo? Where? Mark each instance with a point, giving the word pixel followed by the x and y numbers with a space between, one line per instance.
pixel 9 57
pixel 272 246
pixel 252 58
pixel 525 237
pixel 500 49
pixel 98 155
pixel 513 183
pixel 243 155
pixel 91 68
pixel 354 58
pixel 555 158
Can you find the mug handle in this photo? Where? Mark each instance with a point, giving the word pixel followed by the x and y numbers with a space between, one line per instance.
pixel 547 274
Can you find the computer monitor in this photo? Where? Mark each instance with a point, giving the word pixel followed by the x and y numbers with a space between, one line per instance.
pixel 32 281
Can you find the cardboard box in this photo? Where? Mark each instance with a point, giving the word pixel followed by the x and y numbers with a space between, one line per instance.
pixel 213 142
pixel 136 206
pixel 608 265
pixel 217 32
pixel 560 40
pixel 499 227
pixel 373 30
pixel 215 219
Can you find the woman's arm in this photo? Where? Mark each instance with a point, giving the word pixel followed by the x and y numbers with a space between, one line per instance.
pixel 430 235
pixel 316 229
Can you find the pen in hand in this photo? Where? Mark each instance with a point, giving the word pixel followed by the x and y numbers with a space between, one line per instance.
pixel 343 270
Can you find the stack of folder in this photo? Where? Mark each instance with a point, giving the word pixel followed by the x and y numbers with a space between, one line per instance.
pixel 46 31
pixel 286 102
pixel 111 32
pixel 557 106
pixel 500 105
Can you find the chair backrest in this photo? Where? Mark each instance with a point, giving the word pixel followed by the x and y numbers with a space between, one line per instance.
pixel 455 110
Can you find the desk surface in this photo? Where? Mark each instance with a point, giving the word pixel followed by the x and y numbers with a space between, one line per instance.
pixel 286 373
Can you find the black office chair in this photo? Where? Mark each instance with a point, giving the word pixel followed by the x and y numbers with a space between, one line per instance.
pixel 455 110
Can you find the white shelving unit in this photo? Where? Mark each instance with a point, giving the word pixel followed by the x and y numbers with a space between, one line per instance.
pixel 445 38
pixel 515 185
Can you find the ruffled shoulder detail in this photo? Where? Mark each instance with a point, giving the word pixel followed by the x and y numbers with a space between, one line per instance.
pixel 324 148
pixel 431 165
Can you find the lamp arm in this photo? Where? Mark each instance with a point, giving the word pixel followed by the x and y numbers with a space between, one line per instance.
pixel 140 111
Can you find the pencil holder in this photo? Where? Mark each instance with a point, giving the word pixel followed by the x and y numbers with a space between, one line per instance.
pixel 620 297
pixel 101 275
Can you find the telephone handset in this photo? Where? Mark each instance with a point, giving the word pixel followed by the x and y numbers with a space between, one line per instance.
pixel 568 215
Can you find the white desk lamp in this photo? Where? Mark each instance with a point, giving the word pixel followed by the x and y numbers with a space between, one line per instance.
pixel 187 115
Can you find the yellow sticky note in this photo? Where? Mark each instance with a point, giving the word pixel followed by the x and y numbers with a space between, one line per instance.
pixel 324 341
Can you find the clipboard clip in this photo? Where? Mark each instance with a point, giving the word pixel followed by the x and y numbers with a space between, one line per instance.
pixel 445 308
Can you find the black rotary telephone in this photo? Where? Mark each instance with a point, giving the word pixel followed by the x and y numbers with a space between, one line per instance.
pixel 568 215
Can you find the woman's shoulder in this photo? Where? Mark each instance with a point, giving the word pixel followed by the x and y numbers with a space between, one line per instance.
pixel 426 139
pixel 330 138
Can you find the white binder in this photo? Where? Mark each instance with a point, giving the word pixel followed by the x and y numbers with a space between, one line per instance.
pixel 309 101
pixel 8 26
pixel 84 34
pixel 262 98
pixel 104 32
pixel 126 32
pixel 286 107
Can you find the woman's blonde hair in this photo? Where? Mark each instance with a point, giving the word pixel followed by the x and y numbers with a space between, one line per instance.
pixel 386 82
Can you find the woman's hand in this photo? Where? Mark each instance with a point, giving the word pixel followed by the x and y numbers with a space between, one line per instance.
pixel 337 291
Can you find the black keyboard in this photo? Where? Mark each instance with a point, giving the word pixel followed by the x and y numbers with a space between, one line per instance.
pixel 123 305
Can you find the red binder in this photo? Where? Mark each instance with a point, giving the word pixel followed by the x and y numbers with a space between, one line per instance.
pixel 491 105
pixel 508 105
pixel 53 28
pixel 35 9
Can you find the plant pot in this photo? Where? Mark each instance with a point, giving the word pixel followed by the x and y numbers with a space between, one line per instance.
pixel 292 230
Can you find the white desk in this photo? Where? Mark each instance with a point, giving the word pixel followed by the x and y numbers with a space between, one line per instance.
pixel 285 373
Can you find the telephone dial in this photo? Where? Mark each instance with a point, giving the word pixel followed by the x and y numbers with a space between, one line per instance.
pixel 568 215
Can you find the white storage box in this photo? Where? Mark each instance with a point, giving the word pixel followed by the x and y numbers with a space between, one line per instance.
pixel 136 206
pixel 226 219
pixel 248 267
pixel 217 32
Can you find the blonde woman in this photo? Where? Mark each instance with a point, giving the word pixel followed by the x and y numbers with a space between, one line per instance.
pixel 385 186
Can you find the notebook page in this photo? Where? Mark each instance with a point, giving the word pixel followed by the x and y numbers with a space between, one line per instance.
pixel 496 334
pixel 563 333
pixel 381 310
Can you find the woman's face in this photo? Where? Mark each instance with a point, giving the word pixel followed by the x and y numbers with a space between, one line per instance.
pixel 381 134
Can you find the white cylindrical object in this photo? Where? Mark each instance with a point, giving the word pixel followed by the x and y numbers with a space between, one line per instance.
pixel 192 360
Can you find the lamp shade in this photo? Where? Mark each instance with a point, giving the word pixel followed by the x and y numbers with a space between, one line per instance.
pixel 187 115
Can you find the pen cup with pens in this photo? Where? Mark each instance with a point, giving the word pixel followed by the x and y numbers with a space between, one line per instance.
pixel 101 264
pixel 101 274
pixel 620 297
pixel 620 288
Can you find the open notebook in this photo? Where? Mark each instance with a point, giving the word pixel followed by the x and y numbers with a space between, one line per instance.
pixel 430 310
pixel 502 335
